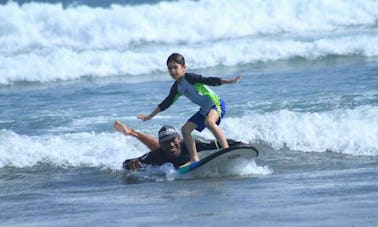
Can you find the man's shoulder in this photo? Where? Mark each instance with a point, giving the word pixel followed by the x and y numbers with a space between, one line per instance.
pixel 204 144
pixel 203 141
pixel 153 155
pixel 183 147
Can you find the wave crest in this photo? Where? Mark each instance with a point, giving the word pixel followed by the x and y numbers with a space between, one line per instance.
pixel 47 42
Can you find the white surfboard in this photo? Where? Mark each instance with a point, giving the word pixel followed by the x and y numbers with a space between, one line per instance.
pixel 222 157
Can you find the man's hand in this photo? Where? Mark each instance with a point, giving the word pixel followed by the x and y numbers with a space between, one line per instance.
pixel 134 164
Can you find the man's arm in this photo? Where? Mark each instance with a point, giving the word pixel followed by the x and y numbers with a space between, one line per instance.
pixel 154 157
pixel 132 164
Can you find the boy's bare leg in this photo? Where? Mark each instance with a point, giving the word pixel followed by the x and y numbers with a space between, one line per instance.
pixel 187 130
pixel 211 124
pixel 147 140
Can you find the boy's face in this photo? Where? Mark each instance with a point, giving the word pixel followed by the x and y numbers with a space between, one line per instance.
pixel 176 70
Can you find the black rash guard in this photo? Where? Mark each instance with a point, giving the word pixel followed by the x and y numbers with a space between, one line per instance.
pixel 158 158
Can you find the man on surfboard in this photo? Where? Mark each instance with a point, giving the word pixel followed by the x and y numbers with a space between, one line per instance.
pixel 169 148
pixel 193 86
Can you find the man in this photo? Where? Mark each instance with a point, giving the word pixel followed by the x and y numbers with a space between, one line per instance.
pixel 167 149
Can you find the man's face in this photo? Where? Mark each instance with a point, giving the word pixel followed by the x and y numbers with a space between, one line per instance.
pixel 176 70
pixel 171 148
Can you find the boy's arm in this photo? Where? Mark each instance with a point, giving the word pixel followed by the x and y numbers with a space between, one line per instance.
pixel 173 95
pixel 150 116
pixel 236 79
pixel 212 81
pixel 170 99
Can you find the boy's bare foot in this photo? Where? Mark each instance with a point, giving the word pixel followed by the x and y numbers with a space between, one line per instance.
pixel 186 164
pixel 190 162
pixel 118 126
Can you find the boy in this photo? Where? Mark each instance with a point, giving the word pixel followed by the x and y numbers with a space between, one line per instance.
pixel 194 87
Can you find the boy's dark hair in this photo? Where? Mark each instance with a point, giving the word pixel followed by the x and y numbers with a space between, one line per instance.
pixel 177 58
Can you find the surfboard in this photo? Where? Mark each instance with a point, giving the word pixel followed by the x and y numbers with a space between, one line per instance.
pixel 221 157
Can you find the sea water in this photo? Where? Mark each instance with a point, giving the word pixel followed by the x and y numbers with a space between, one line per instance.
pixel 307 100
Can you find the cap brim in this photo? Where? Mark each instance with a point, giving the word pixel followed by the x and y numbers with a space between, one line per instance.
pixel 168 137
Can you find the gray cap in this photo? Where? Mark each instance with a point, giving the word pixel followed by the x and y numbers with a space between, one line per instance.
pixel 167 132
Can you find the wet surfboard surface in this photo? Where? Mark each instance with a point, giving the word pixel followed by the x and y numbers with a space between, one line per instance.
pixel 221 157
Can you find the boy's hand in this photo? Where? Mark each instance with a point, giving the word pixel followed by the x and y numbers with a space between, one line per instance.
pixel 236 79
pixel 144 117
pixel 150 116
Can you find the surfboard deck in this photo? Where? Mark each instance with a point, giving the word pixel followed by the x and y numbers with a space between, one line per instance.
pixel 239 151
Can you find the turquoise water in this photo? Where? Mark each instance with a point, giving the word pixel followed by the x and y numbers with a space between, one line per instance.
pixel 308 100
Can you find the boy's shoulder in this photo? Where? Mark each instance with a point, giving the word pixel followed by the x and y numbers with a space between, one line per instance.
pixel 189 77
pixel 198 78
pixel 192 77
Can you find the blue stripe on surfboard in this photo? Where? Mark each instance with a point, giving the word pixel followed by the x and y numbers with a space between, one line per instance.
pixel 199 163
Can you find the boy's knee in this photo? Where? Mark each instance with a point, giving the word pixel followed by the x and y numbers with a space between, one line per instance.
pixel 185 130
pixel 210 123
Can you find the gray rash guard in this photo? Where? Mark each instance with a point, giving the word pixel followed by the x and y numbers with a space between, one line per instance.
pixel 193 87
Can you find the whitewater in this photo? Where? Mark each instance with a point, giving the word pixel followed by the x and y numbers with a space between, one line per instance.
pixel 307 100
pixel 43 42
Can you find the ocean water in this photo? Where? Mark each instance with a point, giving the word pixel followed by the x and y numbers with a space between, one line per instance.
pixel 308 100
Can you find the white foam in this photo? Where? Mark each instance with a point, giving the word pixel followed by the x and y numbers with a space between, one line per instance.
pixel 232 168
pixel 107 150
pixel 46 42
pixel 347 131
pixel 192 21
pixel 104 150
